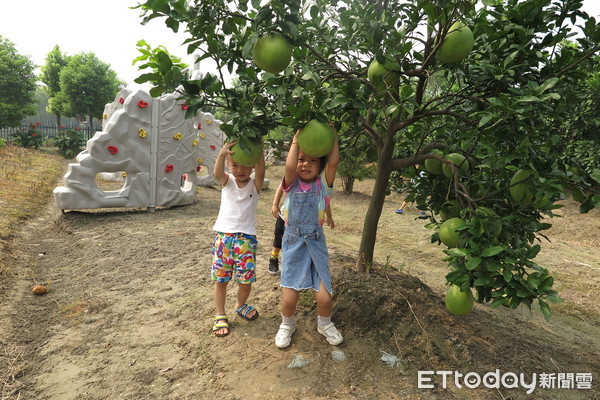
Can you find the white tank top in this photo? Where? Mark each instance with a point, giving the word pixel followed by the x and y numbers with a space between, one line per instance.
pixel 237 213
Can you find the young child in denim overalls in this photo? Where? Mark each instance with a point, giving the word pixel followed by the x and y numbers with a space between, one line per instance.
pixel 234 249
pixel 305 260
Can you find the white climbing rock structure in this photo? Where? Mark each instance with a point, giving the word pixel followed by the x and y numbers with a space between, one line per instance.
pixel 148 141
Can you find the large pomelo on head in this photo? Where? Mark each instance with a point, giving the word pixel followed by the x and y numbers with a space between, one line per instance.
pixel 316 139
pixel 250 158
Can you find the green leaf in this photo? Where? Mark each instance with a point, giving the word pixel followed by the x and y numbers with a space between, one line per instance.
pixel 147 78
pixel 485 119
pixel 595 175
pixel 548 84
pixel 533 251
pixel 546 284
pixel 509 58
pixel 391 109
pixel 164 62
pixel 173 24
pixel 473 263
pixel 588 204
pixel 291 30
pixel 498 302
pixel 550 96
pixel 157 91
pixel 457 252
pixel 493 266
pixel 507 275
pixel 247 49
pixel 553 297
pixel 577 194
pixel 492 251
pixel 545 308
pixel 528 99
pixel 406 92
pixel 191 87
pixel 314 12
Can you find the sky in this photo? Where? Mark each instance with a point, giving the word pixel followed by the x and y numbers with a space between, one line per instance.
pixel 107 28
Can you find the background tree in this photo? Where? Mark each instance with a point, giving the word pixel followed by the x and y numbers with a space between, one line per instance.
pixel 496 109
pixel 86 85
pixel 582 124
pixel 17 85
pixel 50 75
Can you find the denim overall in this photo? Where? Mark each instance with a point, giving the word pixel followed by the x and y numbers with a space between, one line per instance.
pixel 305 260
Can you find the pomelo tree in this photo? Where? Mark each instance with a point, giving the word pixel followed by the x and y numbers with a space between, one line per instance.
pixel 499 107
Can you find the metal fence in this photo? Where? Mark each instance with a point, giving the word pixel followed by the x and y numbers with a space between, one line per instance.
pixel 47 131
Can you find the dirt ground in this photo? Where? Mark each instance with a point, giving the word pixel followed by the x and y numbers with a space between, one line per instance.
pixel 129 307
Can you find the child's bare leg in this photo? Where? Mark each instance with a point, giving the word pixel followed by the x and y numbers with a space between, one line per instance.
pixel 220 294
pixel 289 300
pixel 324 324
pixel 243 293
pixel 324 301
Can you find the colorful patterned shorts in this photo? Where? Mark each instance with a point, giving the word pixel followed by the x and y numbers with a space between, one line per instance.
pixel 234 251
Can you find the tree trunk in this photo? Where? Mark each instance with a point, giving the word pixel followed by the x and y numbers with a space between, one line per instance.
pixel 369 233
pixel 58 122
pixel 348 184
pixel 90 128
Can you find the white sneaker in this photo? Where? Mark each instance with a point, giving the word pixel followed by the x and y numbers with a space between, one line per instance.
pixel 284 335
pixel 331 333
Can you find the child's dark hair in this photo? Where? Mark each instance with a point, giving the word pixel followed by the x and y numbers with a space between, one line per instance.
pixel 323 160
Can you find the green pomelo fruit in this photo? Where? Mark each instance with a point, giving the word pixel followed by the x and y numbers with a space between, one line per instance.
pixel 432 165
pixel 247 159
pixel 316 139
pixel 457 302
pixel 457 44
pixel 448 233
pixel 522 192
pixel 459 162
pixel 272 53
pixel 383 76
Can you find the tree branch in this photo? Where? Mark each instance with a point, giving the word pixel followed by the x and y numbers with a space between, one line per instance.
pixel 577 62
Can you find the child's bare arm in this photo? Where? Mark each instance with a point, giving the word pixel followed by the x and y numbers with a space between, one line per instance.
pixel 219 169
pixel 259 173
pixel 329 218
pixel 291 162
pixel 333 159
pixel 275 210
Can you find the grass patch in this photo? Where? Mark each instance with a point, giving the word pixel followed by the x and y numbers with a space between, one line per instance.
pixel 27 177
